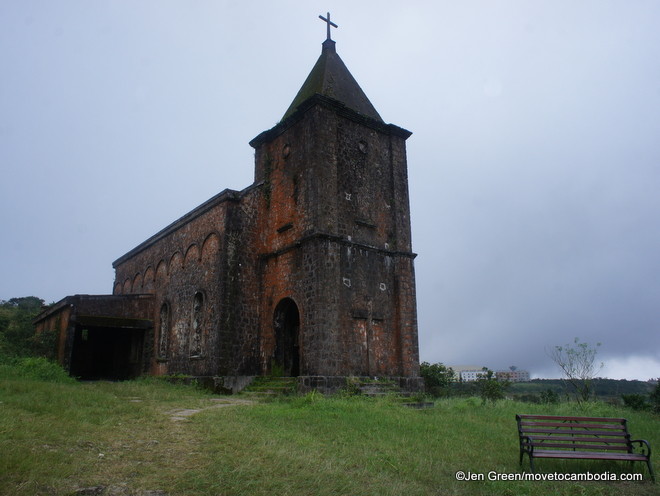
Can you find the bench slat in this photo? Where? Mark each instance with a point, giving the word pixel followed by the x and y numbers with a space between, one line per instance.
pixel 580 425
pixel 582 419
pixel 573 432
pixel 578 446
pixel 609 440
pixel 590 455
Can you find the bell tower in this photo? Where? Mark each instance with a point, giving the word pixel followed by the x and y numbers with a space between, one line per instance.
pixel 335 237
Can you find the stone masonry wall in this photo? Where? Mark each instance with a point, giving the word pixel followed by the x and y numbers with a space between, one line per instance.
pixel 334 233
pixel 326 225
pixel 182 268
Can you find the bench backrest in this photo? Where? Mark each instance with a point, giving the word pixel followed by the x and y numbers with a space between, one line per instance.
pixel 575 433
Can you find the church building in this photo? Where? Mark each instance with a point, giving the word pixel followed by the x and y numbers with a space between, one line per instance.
pixel 307 273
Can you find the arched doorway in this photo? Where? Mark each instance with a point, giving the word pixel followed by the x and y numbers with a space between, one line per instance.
pixel 286 323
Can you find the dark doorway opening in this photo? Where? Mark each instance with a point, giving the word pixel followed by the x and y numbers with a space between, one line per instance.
pixel 107 353
pixel 286 322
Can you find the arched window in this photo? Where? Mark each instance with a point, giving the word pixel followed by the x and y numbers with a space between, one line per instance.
pixel 164 332
pixel 197 325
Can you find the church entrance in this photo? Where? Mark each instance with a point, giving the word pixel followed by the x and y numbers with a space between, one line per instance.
pixel 286 322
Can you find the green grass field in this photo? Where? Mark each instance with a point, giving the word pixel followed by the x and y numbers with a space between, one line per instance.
pixel 57 436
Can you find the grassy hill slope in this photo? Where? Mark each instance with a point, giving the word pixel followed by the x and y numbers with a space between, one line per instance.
pixel 58 436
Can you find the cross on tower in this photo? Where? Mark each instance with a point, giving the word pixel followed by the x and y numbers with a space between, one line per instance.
pixel 330 23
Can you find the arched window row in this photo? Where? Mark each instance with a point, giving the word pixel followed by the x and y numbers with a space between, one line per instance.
pixel 145 281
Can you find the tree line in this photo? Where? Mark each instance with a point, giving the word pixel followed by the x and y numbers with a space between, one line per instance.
pixel 17 333
pixel 577 362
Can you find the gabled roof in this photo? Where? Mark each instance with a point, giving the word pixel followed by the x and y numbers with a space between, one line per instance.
pixel 330 77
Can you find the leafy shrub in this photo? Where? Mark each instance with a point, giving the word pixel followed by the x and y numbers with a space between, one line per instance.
pixel 44 344
pixel 437 378
pixel 34 368
pixel 635 401
pixel 654 397
pixel 490 389
pixel 549 397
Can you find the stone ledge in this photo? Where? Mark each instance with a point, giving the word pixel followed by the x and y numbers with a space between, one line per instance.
pixel 331 384
pixel 325 384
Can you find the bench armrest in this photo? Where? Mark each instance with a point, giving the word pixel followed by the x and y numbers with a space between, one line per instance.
pixel 527 444
pixel 643 443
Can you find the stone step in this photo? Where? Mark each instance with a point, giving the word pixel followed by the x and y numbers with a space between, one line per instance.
pixel 272 386
pixel 378 388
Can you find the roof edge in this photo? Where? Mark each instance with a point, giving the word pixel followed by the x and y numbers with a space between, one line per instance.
pixel 224 196
pixel 337 106
pixel 72 300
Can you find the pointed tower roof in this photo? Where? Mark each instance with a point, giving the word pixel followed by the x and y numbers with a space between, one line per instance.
pixel 330 77
pixel 331 85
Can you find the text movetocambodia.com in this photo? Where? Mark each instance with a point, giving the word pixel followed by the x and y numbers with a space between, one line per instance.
pixel 553 476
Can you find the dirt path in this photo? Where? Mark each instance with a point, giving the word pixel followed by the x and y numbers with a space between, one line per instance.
pixel 184 413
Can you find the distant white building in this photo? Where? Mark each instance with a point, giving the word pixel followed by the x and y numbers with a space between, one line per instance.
pixel 471 375
pixel 512 375
pixel 466 373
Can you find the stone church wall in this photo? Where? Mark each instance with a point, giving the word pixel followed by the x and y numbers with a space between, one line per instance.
pixel 309 270
pixel 182 267
pixel 239 340
pixel 333 241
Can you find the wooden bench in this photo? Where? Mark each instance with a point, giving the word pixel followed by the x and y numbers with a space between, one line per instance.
pixel 590 438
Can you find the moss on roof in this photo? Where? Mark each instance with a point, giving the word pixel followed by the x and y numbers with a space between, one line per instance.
pixel 330 77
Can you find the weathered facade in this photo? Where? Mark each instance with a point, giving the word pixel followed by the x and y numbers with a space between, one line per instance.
pixel 308 272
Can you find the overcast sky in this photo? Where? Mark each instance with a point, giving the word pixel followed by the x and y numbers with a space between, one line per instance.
pixel 534 166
